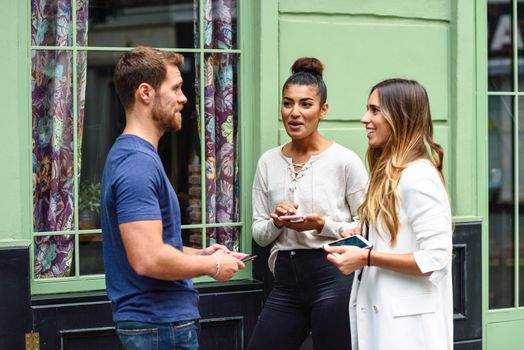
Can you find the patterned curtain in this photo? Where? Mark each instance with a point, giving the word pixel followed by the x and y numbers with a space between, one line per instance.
pixel 221 120
pixel 52 129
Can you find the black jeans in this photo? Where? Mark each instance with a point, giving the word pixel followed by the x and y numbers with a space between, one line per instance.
pixel 309 295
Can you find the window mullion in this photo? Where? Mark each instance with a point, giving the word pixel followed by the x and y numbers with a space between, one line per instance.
pixel 76 246
pixel 30 154
pixel 203 182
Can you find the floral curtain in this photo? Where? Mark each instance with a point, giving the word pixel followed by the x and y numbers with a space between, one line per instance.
pixel 221 120
pixel 53 127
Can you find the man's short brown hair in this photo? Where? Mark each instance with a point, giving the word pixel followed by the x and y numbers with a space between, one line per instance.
pixel 142 65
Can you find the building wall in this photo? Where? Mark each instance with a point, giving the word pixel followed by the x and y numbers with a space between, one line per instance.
pixel 360 42
pixel 14 180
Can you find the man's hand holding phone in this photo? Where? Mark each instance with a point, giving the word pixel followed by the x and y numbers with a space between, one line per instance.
pixel 248 258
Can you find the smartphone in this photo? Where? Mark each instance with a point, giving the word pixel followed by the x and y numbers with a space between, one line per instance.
pixel 291 218
pixel 356 240
pixel 248 258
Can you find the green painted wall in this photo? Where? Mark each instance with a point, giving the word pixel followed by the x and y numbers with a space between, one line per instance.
pixel 14 178
pixel 362 43
pixel 505 335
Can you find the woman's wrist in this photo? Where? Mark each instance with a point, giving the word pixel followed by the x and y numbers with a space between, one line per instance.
pixel 364 256
pixel 320 224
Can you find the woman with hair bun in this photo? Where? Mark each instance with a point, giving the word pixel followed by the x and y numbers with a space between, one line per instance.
pixel 305 194
pixel 402 298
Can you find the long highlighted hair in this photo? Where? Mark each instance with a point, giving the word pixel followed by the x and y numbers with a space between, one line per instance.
pixel 405 106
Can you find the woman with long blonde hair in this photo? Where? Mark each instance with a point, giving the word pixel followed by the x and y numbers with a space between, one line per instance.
pixel 402 298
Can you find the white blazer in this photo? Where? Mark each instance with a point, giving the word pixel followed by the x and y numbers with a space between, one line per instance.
pixel 391 310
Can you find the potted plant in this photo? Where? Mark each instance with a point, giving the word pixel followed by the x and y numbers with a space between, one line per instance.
pixel 88 205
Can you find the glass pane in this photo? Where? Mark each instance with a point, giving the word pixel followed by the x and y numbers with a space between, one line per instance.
pixel 91 260
pixel 501 202
pixel 521 201
pixel 520 19
pixel 104 120
pixel 192 237
pixel 51 23
pixel 101 120
pixel 500 46
pixel 220 24
pixel 128 23
pixel 89 190
pixel 221 139
pixel 54 256
pixel 228 236
pixel 82 14
pixel 52 131
pixel 180 151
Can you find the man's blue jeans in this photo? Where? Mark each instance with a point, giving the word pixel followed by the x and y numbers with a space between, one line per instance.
pixel 181 335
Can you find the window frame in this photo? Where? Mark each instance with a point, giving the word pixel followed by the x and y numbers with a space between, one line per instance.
pixel 516 311
pixel 245 72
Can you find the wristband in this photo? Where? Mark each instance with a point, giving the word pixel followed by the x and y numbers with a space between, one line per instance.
pixel 369 257
pixel 217 266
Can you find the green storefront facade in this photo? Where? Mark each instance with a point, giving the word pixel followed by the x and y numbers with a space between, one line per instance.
pixel 465 52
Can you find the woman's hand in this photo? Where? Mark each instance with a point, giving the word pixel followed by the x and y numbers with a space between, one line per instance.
pixel 347 258
pixel 283 208
pixel 311 222
pixel 351 232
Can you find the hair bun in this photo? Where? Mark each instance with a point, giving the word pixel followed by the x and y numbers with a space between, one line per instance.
pixel 309 65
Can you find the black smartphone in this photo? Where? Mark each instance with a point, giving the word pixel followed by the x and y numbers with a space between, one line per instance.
pixel 248 258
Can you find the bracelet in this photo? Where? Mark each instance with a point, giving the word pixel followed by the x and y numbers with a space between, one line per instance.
pixel 217 266
pixel 369 257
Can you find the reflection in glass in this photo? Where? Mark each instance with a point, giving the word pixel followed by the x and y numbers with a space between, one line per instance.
pixel 224 234
pixel 500 46
pixel 128 23
pixel 52 131
pixel 220 24
pixel 520 25
pixel 192 237
pixel 180 151
pixel 91 257
pixel 102 123
pixel 54 256
pixel 105 120
pixel 521 201
pixel 501 202
pixel 221 146
pixel 51 22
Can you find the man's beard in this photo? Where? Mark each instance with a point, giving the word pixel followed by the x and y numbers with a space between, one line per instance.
pixel 165 120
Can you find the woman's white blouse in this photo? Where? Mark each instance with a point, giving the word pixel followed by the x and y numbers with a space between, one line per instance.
pixel 332 186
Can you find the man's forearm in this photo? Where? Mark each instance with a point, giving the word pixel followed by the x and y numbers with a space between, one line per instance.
pixel 170 264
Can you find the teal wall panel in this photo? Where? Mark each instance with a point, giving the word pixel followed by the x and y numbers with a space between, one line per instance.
pixel 427 9
pixel 353 136
pixel 359 54
pixel 505 335
pixel 15 121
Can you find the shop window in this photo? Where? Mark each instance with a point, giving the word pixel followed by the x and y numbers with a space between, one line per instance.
pixel 76 116
pixel 506 153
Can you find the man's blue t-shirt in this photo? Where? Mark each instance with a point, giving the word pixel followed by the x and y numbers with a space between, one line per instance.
pixel 135 187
